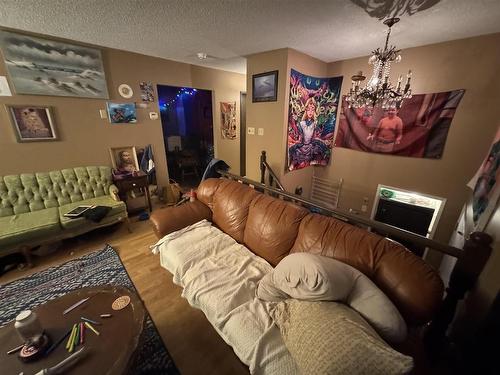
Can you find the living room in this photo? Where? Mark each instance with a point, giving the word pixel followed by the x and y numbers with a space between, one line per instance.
pixel 90 129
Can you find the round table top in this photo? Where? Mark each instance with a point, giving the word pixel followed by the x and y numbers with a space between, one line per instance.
pixel 109 353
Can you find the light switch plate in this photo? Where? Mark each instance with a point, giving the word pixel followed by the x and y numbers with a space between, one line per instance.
pixel 153 115
pixel 260 131
pixel 103 114
pixel 250 131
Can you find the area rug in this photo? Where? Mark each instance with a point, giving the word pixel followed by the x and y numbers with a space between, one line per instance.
pixel 98 268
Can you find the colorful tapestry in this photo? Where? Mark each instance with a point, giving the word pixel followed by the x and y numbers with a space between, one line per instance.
pixel 311 119
pixel 486 186
pixel 418 129
pixel 228 119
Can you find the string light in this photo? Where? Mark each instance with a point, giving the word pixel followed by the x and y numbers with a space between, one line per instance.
pixel 183 91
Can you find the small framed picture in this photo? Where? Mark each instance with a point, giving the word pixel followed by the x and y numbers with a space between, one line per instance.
pixel 122 113
pixel 265 87
pixel 124 159
pixel 32 123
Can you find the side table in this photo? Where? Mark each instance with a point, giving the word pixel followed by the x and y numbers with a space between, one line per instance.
pixel 129 183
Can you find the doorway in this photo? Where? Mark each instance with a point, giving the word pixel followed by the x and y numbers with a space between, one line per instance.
pixel 243 133
pixel 187 124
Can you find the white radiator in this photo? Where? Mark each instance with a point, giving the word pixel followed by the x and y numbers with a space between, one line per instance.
pixel 326 192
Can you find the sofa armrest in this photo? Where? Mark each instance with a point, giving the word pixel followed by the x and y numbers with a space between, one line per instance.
pixel 113 191
pixel 170 219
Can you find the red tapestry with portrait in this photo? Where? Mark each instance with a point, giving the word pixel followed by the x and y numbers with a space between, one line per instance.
pixel 418 129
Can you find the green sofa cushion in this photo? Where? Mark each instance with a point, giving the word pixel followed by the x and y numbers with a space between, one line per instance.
pixel 118 210
pixel 36 191
pixel 26 227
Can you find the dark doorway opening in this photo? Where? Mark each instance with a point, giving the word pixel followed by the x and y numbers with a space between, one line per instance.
pixel 187 123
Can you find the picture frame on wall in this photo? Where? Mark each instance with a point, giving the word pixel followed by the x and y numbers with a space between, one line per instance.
pixel 124 159
pixel 121 113
pixel 32 123
pixel 40 66
pixel 265 87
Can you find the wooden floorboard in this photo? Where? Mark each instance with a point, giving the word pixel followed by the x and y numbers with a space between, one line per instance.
pixel 192 342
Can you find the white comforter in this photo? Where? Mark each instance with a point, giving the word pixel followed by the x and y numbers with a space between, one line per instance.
pixel 220 277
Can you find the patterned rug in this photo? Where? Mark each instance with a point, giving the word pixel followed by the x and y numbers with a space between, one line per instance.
pixel 98 268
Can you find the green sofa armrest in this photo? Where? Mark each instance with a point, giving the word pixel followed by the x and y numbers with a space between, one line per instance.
pixel 113 191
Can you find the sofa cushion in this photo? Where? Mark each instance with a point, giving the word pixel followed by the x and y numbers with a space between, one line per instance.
pixel 118 210
pixel 171 219
pixel 230 207
pixel 312 277
pixel 207 189
pixel 26 227
pixel 411 284
pixel 330 338
pixel 37 191
pixel 272 227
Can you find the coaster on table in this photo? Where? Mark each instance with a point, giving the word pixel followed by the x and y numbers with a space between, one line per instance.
pixel 120 303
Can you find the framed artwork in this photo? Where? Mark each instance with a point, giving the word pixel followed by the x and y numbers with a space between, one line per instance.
pixel 32 123
pixel 228 120
pixel 124 159
pixel 147 92
pixel 40 66
pixel 121 113
pixel 265 87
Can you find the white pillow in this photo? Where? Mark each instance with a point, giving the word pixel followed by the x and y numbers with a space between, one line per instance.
pixel 312 277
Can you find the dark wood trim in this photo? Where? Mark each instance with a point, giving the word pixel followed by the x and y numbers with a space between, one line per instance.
pixel 475 254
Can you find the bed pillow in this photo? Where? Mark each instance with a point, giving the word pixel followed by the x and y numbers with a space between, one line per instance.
pixel 331 338
pixel 313 277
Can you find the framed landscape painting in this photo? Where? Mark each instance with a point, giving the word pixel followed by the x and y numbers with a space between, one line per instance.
pixel 32 123
pixel 265 87
pixel 39 66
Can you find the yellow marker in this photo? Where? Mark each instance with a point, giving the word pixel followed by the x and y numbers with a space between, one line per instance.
pixel 92 328
pixel 73 331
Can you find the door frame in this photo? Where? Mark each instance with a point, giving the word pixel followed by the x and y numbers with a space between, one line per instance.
pixel 243 133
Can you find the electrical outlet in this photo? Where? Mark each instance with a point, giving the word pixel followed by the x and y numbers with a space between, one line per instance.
pixel 260 131
pixel 250 131
pixel 364 206
pixel 103 114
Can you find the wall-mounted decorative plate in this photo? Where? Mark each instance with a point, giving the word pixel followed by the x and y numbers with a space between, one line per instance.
pixel 125 91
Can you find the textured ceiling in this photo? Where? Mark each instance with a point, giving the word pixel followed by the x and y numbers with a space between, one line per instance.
pixel 228 30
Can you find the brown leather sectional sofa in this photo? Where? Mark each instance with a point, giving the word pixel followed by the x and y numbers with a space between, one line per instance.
pixel 273 228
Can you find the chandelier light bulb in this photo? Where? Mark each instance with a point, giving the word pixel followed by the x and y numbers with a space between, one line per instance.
pixel 379 91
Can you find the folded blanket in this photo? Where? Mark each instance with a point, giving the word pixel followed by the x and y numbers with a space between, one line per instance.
pixel 220 277
pixel 171 236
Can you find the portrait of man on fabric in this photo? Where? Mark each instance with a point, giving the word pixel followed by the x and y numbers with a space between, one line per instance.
pixel 418 129
pixel 311 119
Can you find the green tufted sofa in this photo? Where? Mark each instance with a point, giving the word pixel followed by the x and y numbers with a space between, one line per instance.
pixel 32 205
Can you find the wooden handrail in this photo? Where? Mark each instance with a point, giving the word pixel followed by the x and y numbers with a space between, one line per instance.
pixel 351 218
pixel 272 176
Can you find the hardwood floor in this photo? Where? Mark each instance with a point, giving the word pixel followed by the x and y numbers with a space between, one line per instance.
pixel 192 342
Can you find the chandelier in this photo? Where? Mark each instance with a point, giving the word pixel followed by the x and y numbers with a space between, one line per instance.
pixel 379 91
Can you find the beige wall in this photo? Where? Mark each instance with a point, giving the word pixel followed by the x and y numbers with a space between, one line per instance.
pixel 273 116
pixel 268 115
pixel 470 64
pixel 85 138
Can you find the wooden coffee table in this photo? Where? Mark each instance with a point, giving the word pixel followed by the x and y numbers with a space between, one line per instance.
pixel 111 352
